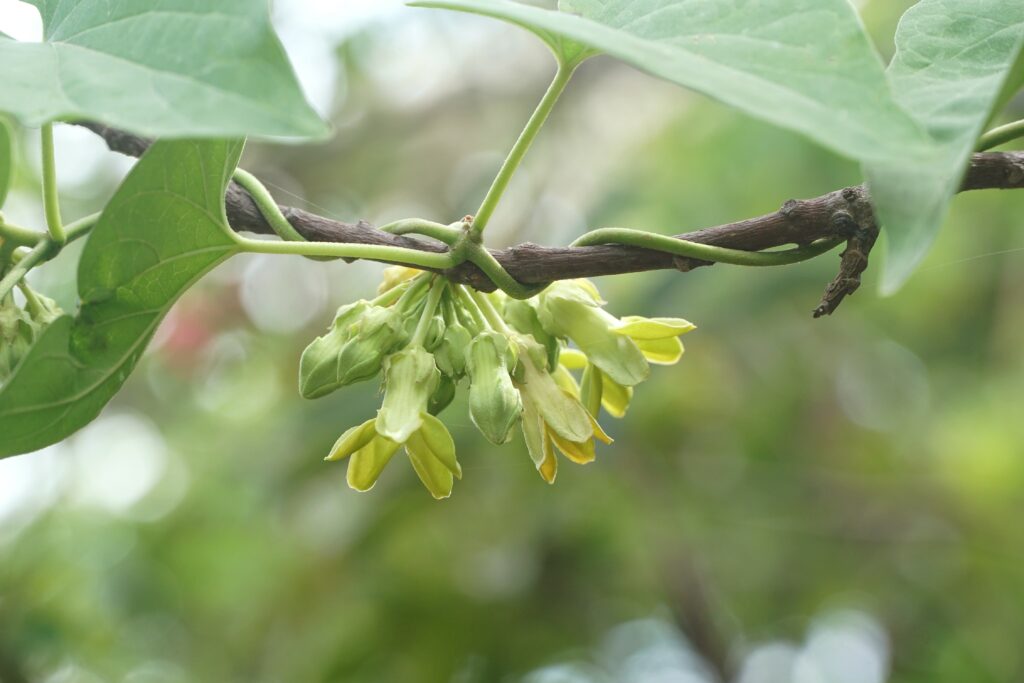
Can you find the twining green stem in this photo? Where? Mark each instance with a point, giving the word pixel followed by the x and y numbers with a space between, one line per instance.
pixel 372 252
pixel 51 200
pixel 22 237
pixel 267 206
pixel 485 261
pixel 522 146
pixel 1001 135
pixel 296 244
pixel 33 258
pixel 704 252
pixel 440 232
pixel 433 299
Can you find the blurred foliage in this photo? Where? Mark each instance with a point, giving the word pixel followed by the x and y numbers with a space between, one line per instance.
pixel 787 471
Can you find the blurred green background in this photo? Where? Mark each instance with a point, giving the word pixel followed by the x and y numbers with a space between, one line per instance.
pixel 831 501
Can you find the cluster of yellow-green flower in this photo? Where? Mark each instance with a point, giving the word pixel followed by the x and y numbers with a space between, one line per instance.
pixel 20 327
pixel 428 335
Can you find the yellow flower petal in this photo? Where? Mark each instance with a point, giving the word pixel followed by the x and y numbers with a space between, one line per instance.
pixel 653 328
pixel 661 351
pixel 368 462
pixel 352 440
pixel 591 390
pixel 396 275
pixel 615 398
pixel 438 441
pixel 580 453
pixel 434 474
pixel 599 433
pixel 573 359
pixel 549 466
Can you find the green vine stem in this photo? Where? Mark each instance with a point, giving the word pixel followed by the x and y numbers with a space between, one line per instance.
pixel 51 199
pixel 1001 136
pixel 522 146
pixel 22 237
pixel 37 255
pixel 448 234
pixel 704 252
pixel 261 195
pixel 44 250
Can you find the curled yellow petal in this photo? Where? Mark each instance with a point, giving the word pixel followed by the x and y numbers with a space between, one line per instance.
pixel 368 462
pixel 434 474
pixel 661 351
pixel 579 452
pixel 615 398
pixel 640 328
pixel 352 440
pixel 573 359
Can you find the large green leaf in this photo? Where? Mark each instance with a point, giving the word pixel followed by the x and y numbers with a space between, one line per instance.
pixel 164 228
pixel 953 61
pixel 6 159
pixel 806 65
pixel 172 68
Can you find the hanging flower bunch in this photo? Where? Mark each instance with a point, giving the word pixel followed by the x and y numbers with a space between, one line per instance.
pixel 427 336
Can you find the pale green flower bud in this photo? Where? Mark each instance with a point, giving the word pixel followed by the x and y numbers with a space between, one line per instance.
pixel 450 355
pixel 443 395
pixel 377 333
pixel 318 373
pixel 522 316
pixel 410 378
pixel 362 335
pixel 435 333
pixel 494 404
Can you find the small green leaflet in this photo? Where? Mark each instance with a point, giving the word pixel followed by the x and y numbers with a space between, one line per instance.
pixel 163 229
pixel 806 65
pixel 6 159
pixel 953 59
pixel 169 68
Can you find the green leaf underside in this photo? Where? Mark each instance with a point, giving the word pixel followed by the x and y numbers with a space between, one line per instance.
pixel 171 68
pixel 953 60
pixel 164 228
pixel 805 65
pixel 6 160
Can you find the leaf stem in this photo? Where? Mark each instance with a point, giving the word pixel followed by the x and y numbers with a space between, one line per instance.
pixel 51 199
pixel 704 252
pixel 1001 135
pixel 522 146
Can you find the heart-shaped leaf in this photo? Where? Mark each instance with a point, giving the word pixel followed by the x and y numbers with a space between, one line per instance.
pixel 170 68
pixel 806 65
pixel 163 229
pixel 953 61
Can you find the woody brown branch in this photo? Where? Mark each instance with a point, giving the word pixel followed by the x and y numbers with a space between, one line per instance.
pixel 845 213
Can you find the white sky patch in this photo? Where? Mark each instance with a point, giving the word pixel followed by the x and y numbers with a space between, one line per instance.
pixel 20 21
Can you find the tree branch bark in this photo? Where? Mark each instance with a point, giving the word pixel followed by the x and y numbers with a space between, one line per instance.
pixel 845 213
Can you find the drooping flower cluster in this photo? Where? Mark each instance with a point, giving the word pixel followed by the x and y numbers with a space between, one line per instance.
pixel 428 336
pixel 21 327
